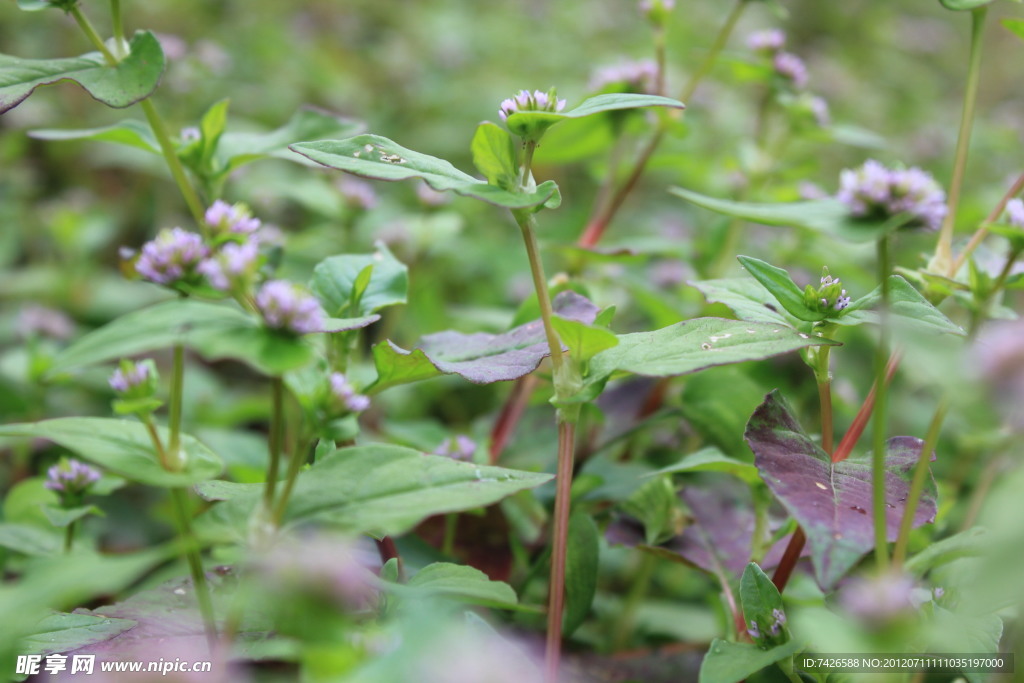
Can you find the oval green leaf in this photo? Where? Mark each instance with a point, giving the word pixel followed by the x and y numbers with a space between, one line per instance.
pixel 132 79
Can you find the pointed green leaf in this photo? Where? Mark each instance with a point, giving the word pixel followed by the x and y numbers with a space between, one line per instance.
pixel 130 80
pixel 237 149
pixel 829 216
pixel 335 281
pixel 581 565
pixel 211 127
pixel 494 155
pixel 462 583
pixel 64 517
pixel 128 132
pixel 655 504
pixel 373 156
pixel 747 298
pixel 123 447
pixel 728 662
pixel 1015 25
pixel 762 608
pixel 697 344
pixel 534 123
pixel 375 488
pixel 905 303
pixel 778 282
pixel 584 341
pixel 30 540
pixel 710 459
pixel 63 632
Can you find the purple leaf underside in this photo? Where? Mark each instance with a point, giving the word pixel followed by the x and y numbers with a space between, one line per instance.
pixel 483 358
pixel 832 502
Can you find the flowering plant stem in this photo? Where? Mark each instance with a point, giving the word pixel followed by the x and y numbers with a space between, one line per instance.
pixel 69 536
pixel 191 551
pixel 173 458
pixel 605 211
pixel 566 428
pixel 944 249
pixel 982 230
pixel 296 459
pixel 878 418
pixel 276 439
pixel 899 551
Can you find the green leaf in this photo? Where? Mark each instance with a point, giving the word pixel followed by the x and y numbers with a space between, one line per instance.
pixel 215 331
pixel 63 632
pixel 30 540
pixel 129 132
pixel 64 517
pixel 728 662
pixel 462 583
pixel 211 127
pixel 237 149
pixel 710 459
pixel 828 216
pixel 494 155
pixel 132 79
pixel 532 124
pixel 963 5
pixel 778 282
pixel 397 366
pixel 123 447
pixel 747 298
pixel 373 156
pixel 761 601
pixel 581 565
pixel 335 279
pixel 655 504
pixel 697 344
pixel 376 488
pixel 584 341
pixel 905 303
pixel 1015 25
pixel 973 542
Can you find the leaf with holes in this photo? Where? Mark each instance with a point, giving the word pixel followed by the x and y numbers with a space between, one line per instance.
pixel 373 156
pixel 832 501
pixel 481 358
pixel 132 79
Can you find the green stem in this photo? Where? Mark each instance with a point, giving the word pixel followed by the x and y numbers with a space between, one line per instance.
pixel 92 35
pixel 195 206
pixel 604 214
pixel 296 460
pixel 276 439
pixel 981 313
pixel 944 249
pixel 451 525
pixel 69 537
pixel 117 25
pixel 881 400
pixel 899 551
pixel 982 230
pixel 559 545
pixel 640 582
pixel 158 445
pixel 823 377
pixel 659 60
pixel 195 565
pixel 174 420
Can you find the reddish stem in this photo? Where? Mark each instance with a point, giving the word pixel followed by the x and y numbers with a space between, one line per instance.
pixel 789 559
pixel 388 550
pixel 510 415
pixel 559 545
pixel 856 429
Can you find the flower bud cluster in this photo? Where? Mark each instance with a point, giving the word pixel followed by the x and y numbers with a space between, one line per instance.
pixel 874 191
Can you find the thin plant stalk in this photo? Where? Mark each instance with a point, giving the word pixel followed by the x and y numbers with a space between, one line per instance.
pixel 931 438
pixel 599 222
pixel 117 25
pixel 559 543
pixel 296 460
pixel 982 230
pixel 69 536
pixel 177 396
pixel 944 250
pixel 195 565
pixel 879 416
pixel 276 439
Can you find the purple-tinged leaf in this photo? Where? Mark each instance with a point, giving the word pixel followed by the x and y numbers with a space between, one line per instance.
pixel 719 537
pixel 832 501
pixel 480 357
